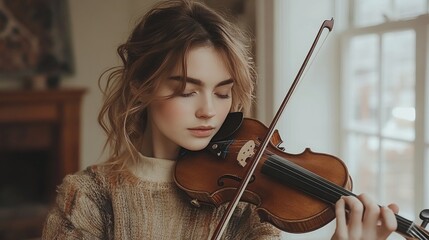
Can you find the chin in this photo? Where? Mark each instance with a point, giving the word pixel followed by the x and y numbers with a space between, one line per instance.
pixel 196 146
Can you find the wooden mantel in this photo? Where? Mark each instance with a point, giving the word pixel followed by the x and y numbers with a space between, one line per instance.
pixel 59 107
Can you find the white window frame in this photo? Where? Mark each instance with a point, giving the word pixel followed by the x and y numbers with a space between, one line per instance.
pixel 421 27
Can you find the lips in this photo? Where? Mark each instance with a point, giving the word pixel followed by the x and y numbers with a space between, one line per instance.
pixel 203 131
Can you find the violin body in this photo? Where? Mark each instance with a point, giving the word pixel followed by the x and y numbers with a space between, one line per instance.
pixel 288 201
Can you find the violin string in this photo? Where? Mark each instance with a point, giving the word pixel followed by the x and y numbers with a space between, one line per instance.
pixel 311 178
pixel 417 233
pixel 329 189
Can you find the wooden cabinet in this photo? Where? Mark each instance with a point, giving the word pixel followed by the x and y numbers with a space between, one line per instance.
pixel 39 135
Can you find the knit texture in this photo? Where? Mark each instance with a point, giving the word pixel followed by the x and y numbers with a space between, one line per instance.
pixel 98 204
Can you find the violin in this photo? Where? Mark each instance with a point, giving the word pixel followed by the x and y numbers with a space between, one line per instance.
pixel 244 162
pixel 279 186
pixel 294 192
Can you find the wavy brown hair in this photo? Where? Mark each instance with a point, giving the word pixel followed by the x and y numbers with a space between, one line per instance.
pixel 159 42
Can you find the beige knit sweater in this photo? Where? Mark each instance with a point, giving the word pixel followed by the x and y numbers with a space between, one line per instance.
pixel 140 204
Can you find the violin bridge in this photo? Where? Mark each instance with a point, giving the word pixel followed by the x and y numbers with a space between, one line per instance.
pixel 246 152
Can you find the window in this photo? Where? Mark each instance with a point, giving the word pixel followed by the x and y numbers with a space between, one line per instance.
pixel 385 117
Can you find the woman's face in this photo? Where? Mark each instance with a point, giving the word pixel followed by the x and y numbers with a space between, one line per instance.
pixel 191 119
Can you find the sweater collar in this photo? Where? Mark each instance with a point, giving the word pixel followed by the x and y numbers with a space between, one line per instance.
pixel 154 169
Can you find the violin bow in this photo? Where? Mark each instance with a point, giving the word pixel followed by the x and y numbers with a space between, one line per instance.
pixel 328 24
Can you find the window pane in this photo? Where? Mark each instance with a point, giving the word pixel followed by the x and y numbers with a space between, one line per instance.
pixel 363 164
pixel 398 172
pixel 398 101
pixel 363 81
pixel 373 12
pixel 409 8
pixel 370 12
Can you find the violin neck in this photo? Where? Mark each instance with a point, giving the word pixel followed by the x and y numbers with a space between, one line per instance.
pixel 296 176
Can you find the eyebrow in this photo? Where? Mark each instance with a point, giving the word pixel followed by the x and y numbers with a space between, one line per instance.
pixel 199 82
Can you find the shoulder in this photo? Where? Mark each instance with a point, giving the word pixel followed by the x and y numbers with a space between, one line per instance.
pixel 89 185
pixel 92 178
pixel 83 207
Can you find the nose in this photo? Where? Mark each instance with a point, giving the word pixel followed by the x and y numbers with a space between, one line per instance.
pixel 206 108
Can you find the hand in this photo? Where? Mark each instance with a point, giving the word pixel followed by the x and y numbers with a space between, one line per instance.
pixel 364 220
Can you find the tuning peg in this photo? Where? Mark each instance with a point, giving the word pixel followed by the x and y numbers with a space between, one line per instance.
pixel 424 215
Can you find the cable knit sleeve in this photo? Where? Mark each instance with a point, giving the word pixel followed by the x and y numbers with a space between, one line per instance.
pixel 82 210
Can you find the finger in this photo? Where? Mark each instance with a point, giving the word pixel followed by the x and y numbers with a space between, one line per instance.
pixel 388 222
pixel 356 209
pixel 371 212
pixel 355 216
pixel 340 214
pixel 393 207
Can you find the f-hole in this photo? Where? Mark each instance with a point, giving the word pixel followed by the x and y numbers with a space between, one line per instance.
pixel 220 181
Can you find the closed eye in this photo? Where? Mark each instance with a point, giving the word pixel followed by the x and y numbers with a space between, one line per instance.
pixel 188 94
pixel 224 91
pixel 223 96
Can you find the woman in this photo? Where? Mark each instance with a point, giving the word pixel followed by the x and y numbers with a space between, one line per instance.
pixel 184 69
